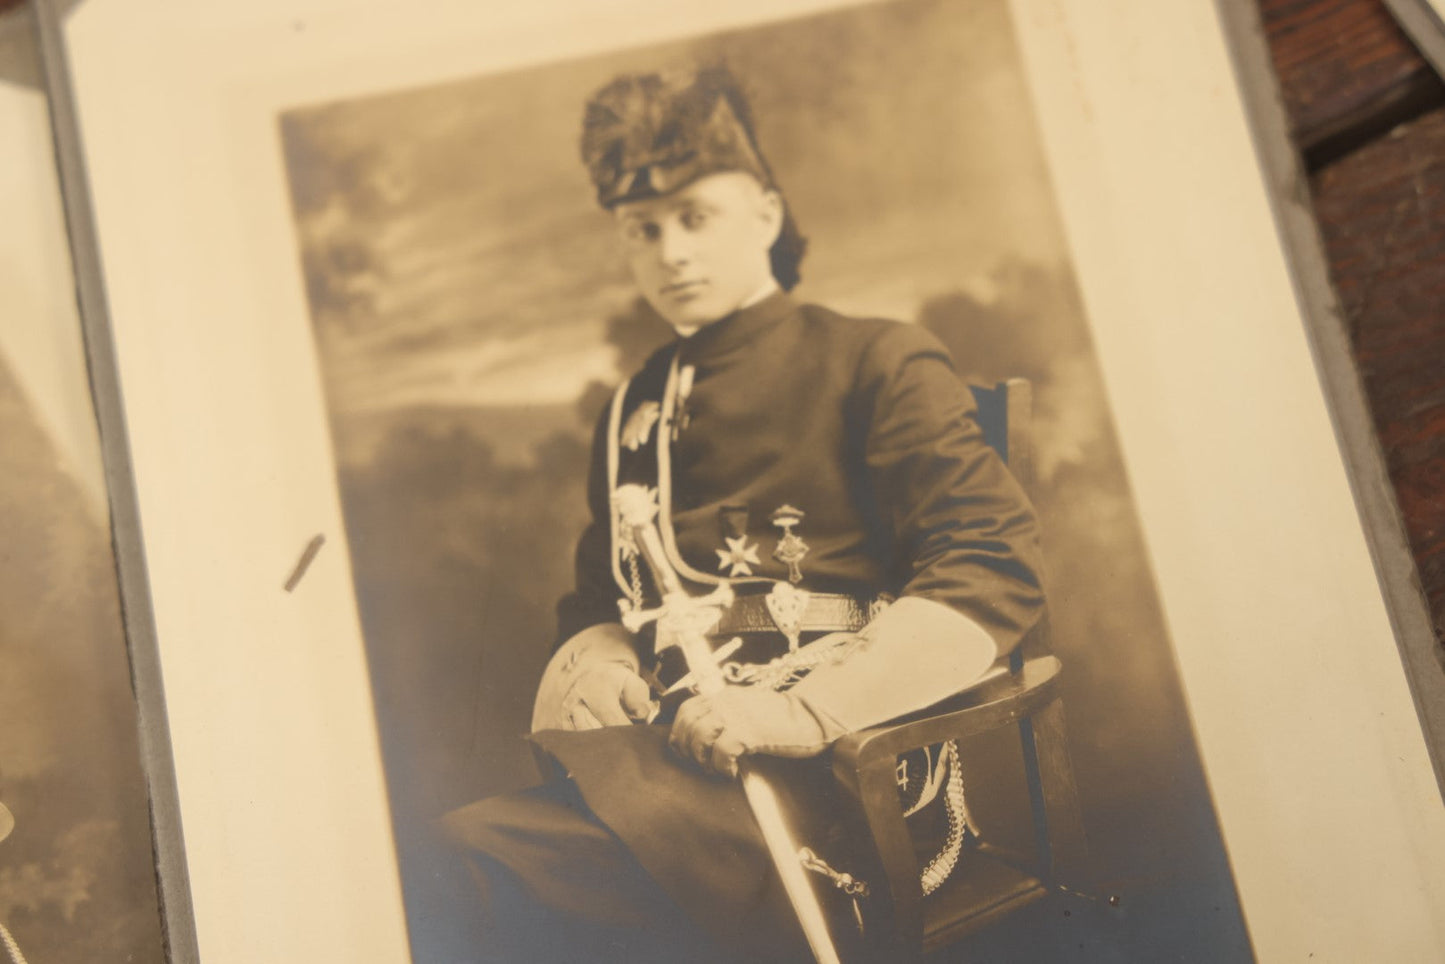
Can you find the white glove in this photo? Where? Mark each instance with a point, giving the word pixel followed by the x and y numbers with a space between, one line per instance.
pixel 715 729
pixel 591 681
pixel 913 654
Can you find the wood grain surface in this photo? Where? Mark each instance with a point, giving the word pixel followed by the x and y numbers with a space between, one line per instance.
pixel 1347 72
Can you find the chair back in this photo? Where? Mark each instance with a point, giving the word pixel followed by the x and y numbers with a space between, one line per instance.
pixel 1005 413
pixel 1005 410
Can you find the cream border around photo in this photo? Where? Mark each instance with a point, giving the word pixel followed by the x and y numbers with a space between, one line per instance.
pixel 1304 714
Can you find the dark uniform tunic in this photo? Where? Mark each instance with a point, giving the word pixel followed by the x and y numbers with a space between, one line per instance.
pixel 857 438
pixel 864 427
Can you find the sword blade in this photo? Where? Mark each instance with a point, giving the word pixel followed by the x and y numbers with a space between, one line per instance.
pixel 784 850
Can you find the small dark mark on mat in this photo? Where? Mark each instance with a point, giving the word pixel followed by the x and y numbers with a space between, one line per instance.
pixel 307 555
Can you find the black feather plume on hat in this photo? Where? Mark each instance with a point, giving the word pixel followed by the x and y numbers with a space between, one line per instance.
pixel 647 135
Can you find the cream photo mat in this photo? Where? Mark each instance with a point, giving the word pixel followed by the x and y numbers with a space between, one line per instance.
pixel 1314 753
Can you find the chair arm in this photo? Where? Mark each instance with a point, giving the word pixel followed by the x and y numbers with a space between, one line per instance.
pixel 993 703
pixel 864 764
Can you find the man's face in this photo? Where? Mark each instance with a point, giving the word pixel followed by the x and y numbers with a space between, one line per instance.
pixel 701 252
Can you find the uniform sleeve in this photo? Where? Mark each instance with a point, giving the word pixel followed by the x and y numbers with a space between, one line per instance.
pixel 593 599
pixel 963 532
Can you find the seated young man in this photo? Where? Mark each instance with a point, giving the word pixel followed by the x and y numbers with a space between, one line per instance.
pixel 830 471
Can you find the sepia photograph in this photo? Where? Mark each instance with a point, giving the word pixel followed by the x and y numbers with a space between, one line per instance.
pixel 803 290
pixel 793 480
pixel 77 867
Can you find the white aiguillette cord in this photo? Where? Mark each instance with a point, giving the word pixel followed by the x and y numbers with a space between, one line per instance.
pixel 7 941
pixel 12 950
pixel 674 397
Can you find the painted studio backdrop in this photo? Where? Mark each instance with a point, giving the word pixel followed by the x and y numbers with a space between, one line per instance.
pixel 473 314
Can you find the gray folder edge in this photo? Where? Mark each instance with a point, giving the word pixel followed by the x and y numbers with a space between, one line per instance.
pixel 1421 20
pixel 178 924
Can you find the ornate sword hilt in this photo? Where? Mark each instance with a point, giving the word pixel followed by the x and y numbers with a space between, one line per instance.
pixel 682 620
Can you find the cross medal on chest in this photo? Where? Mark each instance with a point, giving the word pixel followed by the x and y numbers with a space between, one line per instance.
pixel 791 548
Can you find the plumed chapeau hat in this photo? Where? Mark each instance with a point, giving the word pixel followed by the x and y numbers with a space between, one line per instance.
pixel 645 135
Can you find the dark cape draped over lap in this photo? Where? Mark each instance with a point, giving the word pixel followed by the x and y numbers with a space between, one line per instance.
pixel 692 832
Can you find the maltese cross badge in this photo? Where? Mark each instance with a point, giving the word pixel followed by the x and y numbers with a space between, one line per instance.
pixel 739 557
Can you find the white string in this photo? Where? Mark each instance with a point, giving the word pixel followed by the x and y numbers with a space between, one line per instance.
pixel 664 491
pixel 941 866
pixel 614 430
pixel 11 948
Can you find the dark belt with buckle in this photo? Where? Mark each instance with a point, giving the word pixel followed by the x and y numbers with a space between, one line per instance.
pixel 824 612
pixel 749 619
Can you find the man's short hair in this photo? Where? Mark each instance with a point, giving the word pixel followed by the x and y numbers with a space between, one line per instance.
pixel 647 135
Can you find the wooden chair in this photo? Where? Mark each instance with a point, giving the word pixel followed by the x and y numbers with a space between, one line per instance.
pixel 988 883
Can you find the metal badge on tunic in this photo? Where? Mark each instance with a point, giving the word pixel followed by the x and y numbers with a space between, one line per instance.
pixel 639 425
pixel 787 604
pixel 682 415
pixel 791 548
pixel 740 555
